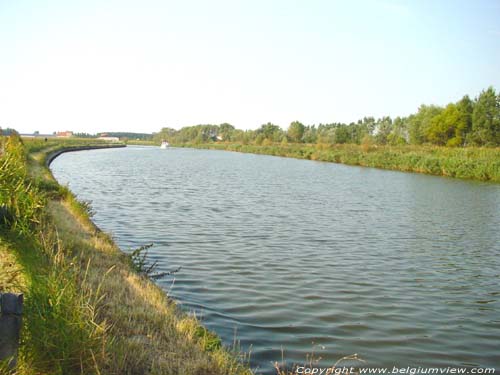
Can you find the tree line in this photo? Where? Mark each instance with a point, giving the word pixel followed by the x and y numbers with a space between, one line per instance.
pixel 468 122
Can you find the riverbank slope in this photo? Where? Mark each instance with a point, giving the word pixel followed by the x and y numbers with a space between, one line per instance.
pixel 88 307
pixel 477 163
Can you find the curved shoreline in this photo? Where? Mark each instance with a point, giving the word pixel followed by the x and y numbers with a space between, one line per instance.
pixel 54 154
pixel 90 307
pixel 479 164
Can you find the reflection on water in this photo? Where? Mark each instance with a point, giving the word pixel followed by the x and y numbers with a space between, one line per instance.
pixel 402 269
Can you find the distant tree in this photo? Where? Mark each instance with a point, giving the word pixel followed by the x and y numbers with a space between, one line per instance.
pixel 419 122
pixel 8 131
pixel 226 131
pixel 310 134
pixel 296 131
pixel 271 132
pixel 84 135
pixel 399 132
pixel 343 134
pixel 486 118
pixel 247 137
pixel 442 126
pixel 259 139
pixel 357 132
pixel 368 125
pixel 459 124
pixel 325 135
pixel 465 108
pixel 383 130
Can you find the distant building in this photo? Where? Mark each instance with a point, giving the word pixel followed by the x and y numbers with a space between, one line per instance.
pixel 65 134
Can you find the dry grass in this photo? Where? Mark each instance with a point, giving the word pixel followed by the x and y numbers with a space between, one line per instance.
pixel 12 278
pixel 87 310
pixel 149 332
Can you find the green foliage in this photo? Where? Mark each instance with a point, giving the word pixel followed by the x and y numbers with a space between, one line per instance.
pixel 442 126
pixel 384 128
pixel 271 132
pixel 486 119
pixel 399 133
pixel 138 259
pixel 209 340
pixel 342 134
pixel 464 125
pixel 296 131
pixel 60 333
pixel 420 123
pixel 20 200
pixel 72 290
pixel 467 162
pixel 466 122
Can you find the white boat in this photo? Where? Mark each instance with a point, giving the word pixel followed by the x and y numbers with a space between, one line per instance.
pixel 164 144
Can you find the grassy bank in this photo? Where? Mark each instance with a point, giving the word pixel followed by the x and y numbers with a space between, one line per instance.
pixel 468 163
pixel 138 142
pixel 87 309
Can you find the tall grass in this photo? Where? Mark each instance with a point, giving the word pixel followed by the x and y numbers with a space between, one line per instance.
pixel 37 144
pixel 87 311
pixel 60 333
pixel 478 163
pixel 21 202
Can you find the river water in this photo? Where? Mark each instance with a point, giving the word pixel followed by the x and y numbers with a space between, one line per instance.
pixel 298 257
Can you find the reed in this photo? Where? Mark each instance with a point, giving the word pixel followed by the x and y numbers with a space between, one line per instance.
pixel 477 163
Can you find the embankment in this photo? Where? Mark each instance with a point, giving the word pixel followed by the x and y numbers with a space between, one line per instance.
pixel 477 163
pixel 88 307
pixel 50 156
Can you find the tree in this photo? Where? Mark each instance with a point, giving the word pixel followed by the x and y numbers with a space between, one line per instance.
pixel 465 108
pixel 369 124
pixel 486 118
pixel 420 122
pixel 226 131
pixel 310 134
pixel 270 131
pixel 383 129
pixel 442 126
pixel 399 133
pixel 296 131
pixel 343 134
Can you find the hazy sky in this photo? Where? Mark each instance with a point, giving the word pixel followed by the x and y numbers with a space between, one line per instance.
pixel 142 65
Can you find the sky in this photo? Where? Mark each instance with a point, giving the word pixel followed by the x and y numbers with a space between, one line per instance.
pixel 139 66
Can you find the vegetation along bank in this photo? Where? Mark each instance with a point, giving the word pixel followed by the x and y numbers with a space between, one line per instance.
pixel 89 308
pixel 460 139
pixel 479 163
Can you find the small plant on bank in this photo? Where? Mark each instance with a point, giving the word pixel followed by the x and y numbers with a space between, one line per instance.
pixel 209 339
pixel 140 264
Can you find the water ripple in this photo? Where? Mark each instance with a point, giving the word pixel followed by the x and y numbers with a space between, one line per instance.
pixel 289 254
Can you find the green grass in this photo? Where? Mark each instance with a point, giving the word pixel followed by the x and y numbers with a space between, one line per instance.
pixel 478 163
pixel 87 311
pixel 139 142
pixel 37 144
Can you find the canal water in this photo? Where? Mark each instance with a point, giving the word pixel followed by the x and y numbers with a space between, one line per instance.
pixel 293 257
